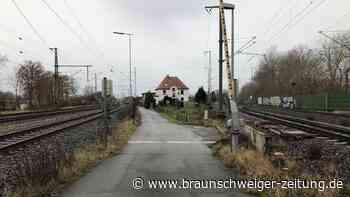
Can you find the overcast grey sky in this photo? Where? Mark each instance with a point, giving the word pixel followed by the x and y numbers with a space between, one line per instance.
pixel 170 36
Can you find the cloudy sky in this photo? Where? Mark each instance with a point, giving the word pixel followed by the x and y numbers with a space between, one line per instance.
pixel 170 37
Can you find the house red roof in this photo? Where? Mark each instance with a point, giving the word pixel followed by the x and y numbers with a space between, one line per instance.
pixel 170 81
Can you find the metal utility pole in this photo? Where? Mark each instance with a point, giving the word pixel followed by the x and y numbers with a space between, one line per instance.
pixel 209 71
pixel 130 50
pixel 130 64
pixel 79 66
pixel 234 124
pixel 251 73
pixel 105 110
pixel 95 82
pixel 116 88
pixel 55 91
pixel 221 61
pixel 233 47
pixel 135 92
pixel 255 54
pixel 231 7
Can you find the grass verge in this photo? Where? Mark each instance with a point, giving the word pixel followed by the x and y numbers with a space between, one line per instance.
pixel 190 114
pixel 255 165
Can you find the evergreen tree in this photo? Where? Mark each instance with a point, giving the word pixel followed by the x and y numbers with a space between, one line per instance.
pixel 201 96
pixel 149 100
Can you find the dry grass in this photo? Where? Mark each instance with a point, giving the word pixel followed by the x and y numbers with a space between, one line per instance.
pixel 77 164
pixel 85 158
pixel 249 162
pixel 252 164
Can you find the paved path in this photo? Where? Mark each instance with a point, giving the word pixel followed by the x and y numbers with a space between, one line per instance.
pixel 159 150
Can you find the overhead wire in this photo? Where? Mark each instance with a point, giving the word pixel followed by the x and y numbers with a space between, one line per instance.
pixel 36 32
pixel 286 26
pixel 70 28
pixel 30 24
pixel 279 13
pixel 274 19
pixel 82 27
pixel 308 12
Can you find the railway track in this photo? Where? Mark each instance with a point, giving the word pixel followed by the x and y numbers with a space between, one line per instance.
pixel 340 114
pixel 320 128
pixel 31 115
pixel 37 132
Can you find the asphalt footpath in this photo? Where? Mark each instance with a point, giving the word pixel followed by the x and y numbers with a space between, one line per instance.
pixel 160 151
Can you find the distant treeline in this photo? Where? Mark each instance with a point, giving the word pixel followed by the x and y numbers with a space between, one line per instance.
pixel 302 71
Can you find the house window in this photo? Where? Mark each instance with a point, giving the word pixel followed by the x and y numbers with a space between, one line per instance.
pixel 173 95
pixel 173 89
pixel 164 92
pixel 182 92
pixel 182 98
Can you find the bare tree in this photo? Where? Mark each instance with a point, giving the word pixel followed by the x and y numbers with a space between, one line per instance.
pixel 13 82
pixel 3 61
pixel 29 75
pixel 334 58
pixel 297 71
pixel 46 88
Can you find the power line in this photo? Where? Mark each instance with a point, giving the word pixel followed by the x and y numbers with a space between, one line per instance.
pixel 274 19
pixel 62 20
pixel 31 24
pixel 69 27
pixel 82 27
pixel 73 13
pixel 309 12
pixel 286 27
pixel 13 33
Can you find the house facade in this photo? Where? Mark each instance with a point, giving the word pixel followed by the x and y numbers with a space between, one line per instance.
pixel 173 87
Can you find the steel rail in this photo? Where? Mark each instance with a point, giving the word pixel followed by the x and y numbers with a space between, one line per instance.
pixel 13 139
pixel 320 128
pixel 345 115
pixel 32 115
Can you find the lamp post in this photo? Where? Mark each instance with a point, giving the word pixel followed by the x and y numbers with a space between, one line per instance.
pixel 130 80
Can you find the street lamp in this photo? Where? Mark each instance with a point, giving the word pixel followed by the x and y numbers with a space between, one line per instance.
pixel 130 81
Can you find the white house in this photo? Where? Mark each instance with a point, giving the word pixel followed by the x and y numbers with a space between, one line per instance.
pixel 172 87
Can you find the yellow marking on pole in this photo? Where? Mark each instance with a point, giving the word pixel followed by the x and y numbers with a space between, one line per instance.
pixel 230 80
